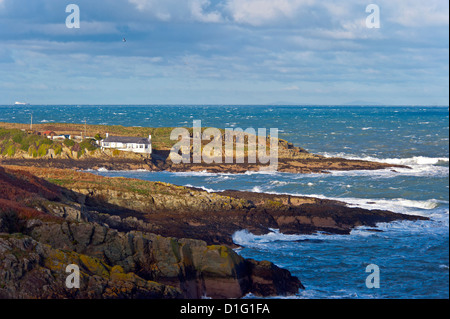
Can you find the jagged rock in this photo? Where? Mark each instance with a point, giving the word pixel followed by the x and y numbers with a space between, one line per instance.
pixel 191 265
pixel 139 226
pixel 31 270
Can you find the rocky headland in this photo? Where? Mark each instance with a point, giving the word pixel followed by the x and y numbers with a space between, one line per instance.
pixel 138 239
pixel 20 146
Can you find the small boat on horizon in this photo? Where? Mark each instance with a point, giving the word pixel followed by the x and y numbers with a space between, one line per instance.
pixel 21 103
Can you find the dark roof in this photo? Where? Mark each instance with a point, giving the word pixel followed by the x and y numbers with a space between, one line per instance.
pixel 126 140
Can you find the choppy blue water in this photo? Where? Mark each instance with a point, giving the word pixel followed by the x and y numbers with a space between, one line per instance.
pixel 413 257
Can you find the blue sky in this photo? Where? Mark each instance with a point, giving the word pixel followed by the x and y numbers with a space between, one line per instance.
pixel 224 52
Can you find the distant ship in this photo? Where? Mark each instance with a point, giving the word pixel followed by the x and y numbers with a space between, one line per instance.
pixel 21 103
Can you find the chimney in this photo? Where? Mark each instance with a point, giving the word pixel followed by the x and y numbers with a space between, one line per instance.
pixel 107 134
pixel 150 137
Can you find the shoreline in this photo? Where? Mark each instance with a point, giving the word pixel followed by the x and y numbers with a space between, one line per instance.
pixel 99 219
pixel 236 210
pixel 25 148
pixel 319 166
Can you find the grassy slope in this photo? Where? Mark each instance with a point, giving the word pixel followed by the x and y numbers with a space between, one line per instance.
pixel 160 136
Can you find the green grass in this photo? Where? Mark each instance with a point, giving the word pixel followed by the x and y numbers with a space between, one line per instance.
pixel 69 143
pixel 13 140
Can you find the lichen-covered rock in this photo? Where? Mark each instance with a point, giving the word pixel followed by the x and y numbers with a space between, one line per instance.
pixel 29 269
pixel 191 265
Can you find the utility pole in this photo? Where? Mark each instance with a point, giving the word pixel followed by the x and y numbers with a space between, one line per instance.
pixel 31 123
pixel 85 128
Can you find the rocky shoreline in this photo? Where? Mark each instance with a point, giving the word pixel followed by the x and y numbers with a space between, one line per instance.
pixel 28 149
pixel 44 227
pixel 297 166
pixel 138 239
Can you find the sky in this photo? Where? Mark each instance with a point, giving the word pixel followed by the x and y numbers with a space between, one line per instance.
pixel 305 52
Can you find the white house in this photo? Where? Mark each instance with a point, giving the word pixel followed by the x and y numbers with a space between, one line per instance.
pixel 128 143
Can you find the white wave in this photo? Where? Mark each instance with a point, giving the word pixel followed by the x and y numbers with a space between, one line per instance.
pixel 257 189
pixel 102 169
pixel 220 178
pixel 247 239
pixel 415 160
pixel 397 205
pixel 418 166
pixel 209 190
pixel 261 172
pixel 280 183
pixel 415 171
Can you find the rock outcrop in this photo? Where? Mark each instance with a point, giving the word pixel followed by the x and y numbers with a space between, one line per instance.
pixel 183 212
pixel 164 241
pixel 30 270
pixel 45 227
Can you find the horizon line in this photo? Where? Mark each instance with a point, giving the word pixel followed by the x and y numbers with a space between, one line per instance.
pixel 226 104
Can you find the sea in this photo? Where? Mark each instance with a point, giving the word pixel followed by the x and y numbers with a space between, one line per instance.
pixel 411 259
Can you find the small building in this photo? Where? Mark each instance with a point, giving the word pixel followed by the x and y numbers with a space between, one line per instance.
pixel 49 134
pixel 128 144
pixel 62 137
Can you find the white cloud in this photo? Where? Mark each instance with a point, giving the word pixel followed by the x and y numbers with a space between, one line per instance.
pixel 348 30
pixel 187 10
pixel 407 13
pixel 259 12
pixel 291 88
pixel 416 13
pixel 197 11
